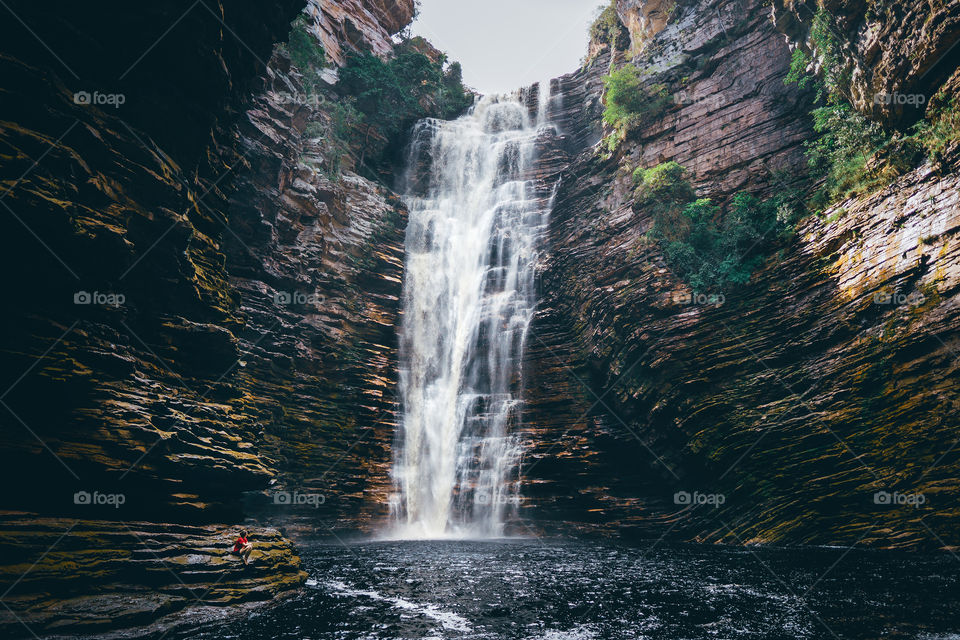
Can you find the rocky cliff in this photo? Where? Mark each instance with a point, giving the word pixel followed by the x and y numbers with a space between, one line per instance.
pixel 200 329
pixel 815 403
pixel 888 49
pixel 199 306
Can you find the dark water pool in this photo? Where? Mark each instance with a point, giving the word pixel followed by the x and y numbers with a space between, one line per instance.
pixel 558 590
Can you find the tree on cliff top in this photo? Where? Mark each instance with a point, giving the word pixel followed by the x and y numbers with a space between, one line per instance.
pixel 392 94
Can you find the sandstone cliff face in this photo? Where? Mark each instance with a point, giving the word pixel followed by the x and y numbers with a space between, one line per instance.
pixel 734 124
pixel 890 49
pixel 149 349
pixel 317 261
pixel 643 19
pixel 828 378
pixel 358 24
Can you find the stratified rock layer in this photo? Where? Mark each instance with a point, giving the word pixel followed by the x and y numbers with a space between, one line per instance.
pixel 148 349
pixel 99 575
pixel 342 26
pixel 317 261
pixel 819 400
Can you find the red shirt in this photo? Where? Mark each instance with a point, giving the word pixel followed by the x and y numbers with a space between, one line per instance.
pixel 239 543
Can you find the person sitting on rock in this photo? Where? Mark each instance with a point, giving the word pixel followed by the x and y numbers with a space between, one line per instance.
pixel 242 547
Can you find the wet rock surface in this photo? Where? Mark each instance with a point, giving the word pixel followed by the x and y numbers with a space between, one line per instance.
pixel 98 575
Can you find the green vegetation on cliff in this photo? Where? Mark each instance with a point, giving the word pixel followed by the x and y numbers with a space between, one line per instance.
pixel 630 103
pixel 339 131
pixel 392 94
pixel 854 154
pixel 376 100
pixel 847 139
pixel 306 53
pixel 940 131
pixel 706 245
pixel 606 28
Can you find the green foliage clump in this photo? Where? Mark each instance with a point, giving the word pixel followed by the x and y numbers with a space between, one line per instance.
pixel 306 53
pixel 630 103
pixel 392 94
pixel 664 183
pixel 376 100
pixel 454 97
pixel 836 74
pixel 607 28
pixel 848 145
pixel 852 153
pixel 942 130
pixel 703 244
pixel 847 141
pixel 799 62
pixel 339 131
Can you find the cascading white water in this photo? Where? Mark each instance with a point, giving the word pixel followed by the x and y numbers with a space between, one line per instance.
pixel 475 220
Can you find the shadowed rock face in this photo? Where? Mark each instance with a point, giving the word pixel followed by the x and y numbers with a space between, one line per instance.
pixel 888 49
pixel 147 351
pixel 125 210
pixel 183 575
pixel 828 378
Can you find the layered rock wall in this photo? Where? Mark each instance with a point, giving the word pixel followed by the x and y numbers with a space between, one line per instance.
pixel 358 25
pixel 153 577
pixel 894 55
pixel 201 312
pixel 812 399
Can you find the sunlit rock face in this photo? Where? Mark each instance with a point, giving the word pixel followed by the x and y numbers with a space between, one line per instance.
pixel 798 397
pixel 357 25
pixel 644 19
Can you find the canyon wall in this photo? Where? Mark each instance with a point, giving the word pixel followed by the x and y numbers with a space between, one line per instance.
pixel 200 329
pixel 196 309
pixel 887 49
pixel 829 377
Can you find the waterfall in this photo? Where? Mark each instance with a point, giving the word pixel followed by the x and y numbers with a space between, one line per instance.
pixel 476 215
